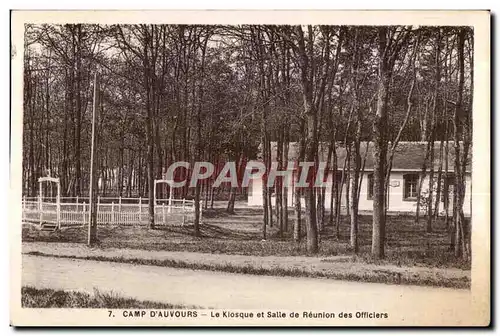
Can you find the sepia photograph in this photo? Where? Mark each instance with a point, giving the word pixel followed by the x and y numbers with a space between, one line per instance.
pixel 250 168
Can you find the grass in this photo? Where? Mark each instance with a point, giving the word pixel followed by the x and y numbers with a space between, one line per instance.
pixel 376 276
pixel 407 244
pixel 48 298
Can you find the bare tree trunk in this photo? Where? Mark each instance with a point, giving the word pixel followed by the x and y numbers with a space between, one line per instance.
pixel 431 186
pixel 380 150
pixel 354 189
pixel 232 199
pixel 461 124
pixel 311 115
pixel 232 194
pixel 130 171
pixel 439 180
pixel 285 186
pixel 265 191
pixel 298 216
pixel 334 188
pixel 149 134
pixel 437 79
pixel 269 194
pixel 322 209
pixel 355 157
pixel 423 172
pixel 201 88
pixel 212 191
pixel 446 189
pixel 278 184
pixel 207 193
pixel 343 180
pixel 346 180
pixel 78 126
pixel 297 191
pixel 320 201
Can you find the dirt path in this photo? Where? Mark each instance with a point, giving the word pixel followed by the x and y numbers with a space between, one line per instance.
pixel 335 265
pixel 224 290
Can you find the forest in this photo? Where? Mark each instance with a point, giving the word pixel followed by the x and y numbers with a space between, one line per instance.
pixel 170 93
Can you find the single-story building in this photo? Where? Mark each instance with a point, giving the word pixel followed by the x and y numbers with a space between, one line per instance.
pixel 403 183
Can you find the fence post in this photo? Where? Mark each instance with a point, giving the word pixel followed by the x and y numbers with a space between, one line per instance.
pixel 112 212
pixel 40 213
pixel 84 221
pixel 119 203
pixel 163 211
pixel 140 209
pixel 183 211
pixel 58 215
pixel 58 206
pixel 76 202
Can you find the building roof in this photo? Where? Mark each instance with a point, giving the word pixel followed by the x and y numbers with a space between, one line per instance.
pixel 409 155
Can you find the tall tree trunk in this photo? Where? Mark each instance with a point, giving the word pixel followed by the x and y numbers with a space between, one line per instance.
pixel 78 159
pixel 279 184
pixel 423 172
pixel 459 128
pixel 47 120
pixel 446 187
pixel 199 151
pixel 439 185
pixel 159 152
pixel 128 191
pixel 354 189
pixel 298 191
pixel 285 186
pixel 430 196
pixel 232 195
pixel 232 199
pixel 334 188
pixel 380 149
pixel 149 133
pixel 437 79
pixel 343 181
pixel 120 168
pixel 265 191
pixel 346 179
pixel 311 143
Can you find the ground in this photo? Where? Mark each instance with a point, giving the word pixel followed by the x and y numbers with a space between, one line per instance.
pixel 333 267
pixel 233 243
pixel 240 233
pixel 222 290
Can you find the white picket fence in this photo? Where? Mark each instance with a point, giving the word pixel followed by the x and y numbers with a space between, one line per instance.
pixel 125 211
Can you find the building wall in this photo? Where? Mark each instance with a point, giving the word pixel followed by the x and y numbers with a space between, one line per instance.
pixel 396 192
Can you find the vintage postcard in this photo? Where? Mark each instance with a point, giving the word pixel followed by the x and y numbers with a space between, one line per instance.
pixel 250 168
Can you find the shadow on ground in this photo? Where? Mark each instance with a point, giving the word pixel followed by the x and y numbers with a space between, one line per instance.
pixel 241 233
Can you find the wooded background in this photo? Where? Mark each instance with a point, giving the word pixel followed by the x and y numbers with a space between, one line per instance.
pixel 216 93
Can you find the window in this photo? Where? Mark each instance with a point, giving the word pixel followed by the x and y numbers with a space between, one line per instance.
pixel 370 186
pixel 410 187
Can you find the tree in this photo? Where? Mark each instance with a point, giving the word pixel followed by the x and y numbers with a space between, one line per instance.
pixel 390 42
pixel 462 131
pixel 304 93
